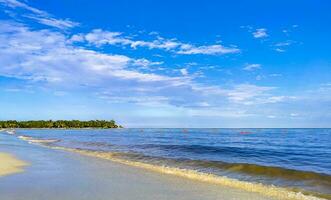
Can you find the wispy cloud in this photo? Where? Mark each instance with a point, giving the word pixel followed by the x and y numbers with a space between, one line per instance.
pixel 278 99
pixel 260 33
pixel 280 50
pixel 57 23
pixel 249 94
pixel 208 50
pixel 45 55
pixel 184 71
pixel 294 114
pixel 100 37
pixel 281 46
pixel 145 63
pixel 40 16
pixel 149 101
pixel 252 67
pixel 290 29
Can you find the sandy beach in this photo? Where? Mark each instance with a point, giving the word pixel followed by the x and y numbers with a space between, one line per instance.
pixel 55 174
pixel 10 165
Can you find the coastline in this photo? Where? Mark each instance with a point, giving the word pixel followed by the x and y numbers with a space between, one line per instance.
pixel 222 183
pixel 255 188
pixel 58 174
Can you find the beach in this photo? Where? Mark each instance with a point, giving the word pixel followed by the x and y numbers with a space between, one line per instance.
pixel 10 165
pixel 56 174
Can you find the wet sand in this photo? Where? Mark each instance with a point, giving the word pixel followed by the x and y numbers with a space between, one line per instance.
pixel 10 165
pixel 56 174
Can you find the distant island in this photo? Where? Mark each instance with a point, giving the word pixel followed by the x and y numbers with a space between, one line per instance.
pixel 59 124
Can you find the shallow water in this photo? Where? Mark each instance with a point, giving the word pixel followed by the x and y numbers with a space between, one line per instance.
pixel 295 158
pixel 56 174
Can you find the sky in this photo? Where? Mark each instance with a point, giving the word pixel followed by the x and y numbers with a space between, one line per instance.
pixel 167 63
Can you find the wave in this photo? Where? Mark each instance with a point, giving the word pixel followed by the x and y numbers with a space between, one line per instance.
pixel 267 190
pixel 226 150
pixel 8 131
pixel 246 168
pixel 40 141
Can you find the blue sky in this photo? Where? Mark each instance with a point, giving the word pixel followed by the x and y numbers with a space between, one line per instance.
pixel 167 64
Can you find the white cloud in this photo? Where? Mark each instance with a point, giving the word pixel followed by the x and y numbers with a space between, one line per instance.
pixel 54 60
pixel 46 58
pixel 219 112
pixel 252 67
pixel 62 63
pixel 276 99
pixel 18 4
pixel 208 50
pixel 46 55
pixel 248 94
pixel 100 37
pixel 146 64
pixel 294 115
pixel 259 77
pixel 280 50
pixel 57 23
pixel 184 71
pixel 40 16
pixel 156 44
pixel 260 33
pixel 76 38
pixel 245 94
pixel 149 101
pixel 282 44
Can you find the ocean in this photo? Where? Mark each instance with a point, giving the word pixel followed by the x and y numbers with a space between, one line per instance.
pixel 296 159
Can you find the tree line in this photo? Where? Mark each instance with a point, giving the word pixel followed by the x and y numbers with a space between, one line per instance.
pixel 59 124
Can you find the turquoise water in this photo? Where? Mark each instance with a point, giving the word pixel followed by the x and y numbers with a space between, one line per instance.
pixel 296 158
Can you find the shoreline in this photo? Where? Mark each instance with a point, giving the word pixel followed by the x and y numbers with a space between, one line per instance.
pixel 10 165
pixel 59 174
pixel 257 188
